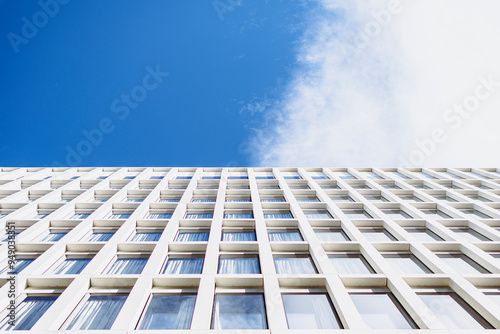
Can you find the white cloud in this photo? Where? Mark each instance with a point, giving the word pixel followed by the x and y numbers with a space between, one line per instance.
pixel 368 89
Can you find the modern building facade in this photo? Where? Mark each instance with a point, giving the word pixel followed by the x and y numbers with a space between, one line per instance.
pixel 250 250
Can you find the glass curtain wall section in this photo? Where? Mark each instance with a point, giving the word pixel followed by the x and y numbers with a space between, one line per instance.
pixel 98 312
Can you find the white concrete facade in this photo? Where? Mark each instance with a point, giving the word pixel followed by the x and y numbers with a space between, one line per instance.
pixel 458 207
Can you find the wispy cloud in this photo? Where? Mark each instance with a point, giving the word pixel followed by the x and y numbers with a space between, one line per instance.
pixel 376 80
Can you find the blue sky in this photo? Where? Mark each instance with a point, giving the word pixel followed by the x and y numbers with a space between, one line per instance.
pixel 63 80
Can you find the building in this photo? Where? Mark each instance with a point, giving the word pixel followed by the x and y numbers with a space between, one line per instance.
pixel 258 249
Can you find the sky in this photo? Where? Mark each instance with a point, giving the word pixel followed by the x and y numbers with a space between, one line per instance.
pixel 249 83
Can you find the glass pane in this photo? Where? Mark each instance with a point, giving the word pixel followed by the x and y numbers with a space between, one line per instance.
pixel 19 266
pixel 406 264
pixel 53 237
pixel 239 312
pixel 350 264
pixel 72 266
pixel 192 236
pixel 380 311
pixel 377 234
pixel 184 266
pixel 452 311
pixel 96 237
pixel 28 312
pixel 99 312
pixel 307 311
pixel 331 235
pixel 238 236
pixel 127 266
pixel 169 312
pixel 462 264
pixel 424 234
pixel 146 237
pixel 284 236
pixel 294 265
pixel 239 265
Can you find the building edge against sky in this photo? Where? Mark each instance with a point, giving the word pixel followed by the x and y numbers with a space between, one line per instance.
pixel 261 249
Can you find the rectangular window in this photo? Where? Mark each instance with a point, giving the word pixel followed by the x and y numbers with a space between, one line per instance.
pixel 469 234
pixel 28 312
pixel 146 237
pixel 423 234
pixel 382 311
pixel 317 214
pixel 203 199
pixel 53 237
pixel 472 213
pixel 184 265
pixel 357 214
pixel 453 311
pixel 199 215
pixel 169 312
pixel 79 216
pixel 341 198
pixel 192 236
pixel 377 234
pixel 310 311
pixel 235 199
pixel 98 312
pixel 278 215
pixel 159 215
pixel 71 266
pixel 127 266
pixel 99 237
pixel 351 263
pixel 239 312
pixel 462 263
pixel 271 199
pixel 435 214
pixel 331 235
pixel 238 215
pixel 307 199
pixel 239 265
pixel 396 214
pixel 406 264
pixel 119 216
pixel 285 236
pixel 238 236
pixel 294 265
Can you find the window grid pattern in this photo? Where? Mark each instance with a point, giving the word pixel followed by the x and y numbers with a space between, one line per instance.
pixel 320 239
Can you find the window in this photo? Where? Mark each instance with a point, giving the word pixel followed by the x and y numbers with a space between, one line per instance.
pixel 239 312
pixel 343 175
pixel 156 177
pixel 192 236
pixel 184 265
pixel 53 237
pixel 19 266
pixel 377 234
pixel 376 198
pixel 310 311
pixel 294 265
pixel 71 266
pixel 237 199
pixel 272 199
pixel 289 235
pixel 435 213
pixel 238 236
pixel 127 266
pixel 452 311
pixel 159 215
pixel 278 214
pixel 411 198
pixel 332 235
pixel 28 312
pixel 239 265
pixel 381 311
pixel 203 199
pixel 169 312
pixel 80 216
pixel 341 198
pixel 146 236
pixel 462 263
pixel 199 215
pixel 187 177
pixel 423 234
pixel 97 237
pixel 317 214
pixel 357 214
pixel 444 197
pixel 307 199
pixel 119 216
pixel 469 234
pixel 406 263
pixel 351 263
pixel 474 213
pixel 396 214
pixel 98 312
pixel 238 215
